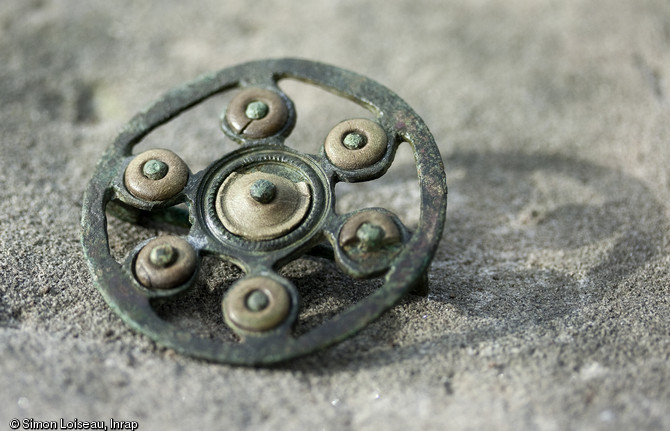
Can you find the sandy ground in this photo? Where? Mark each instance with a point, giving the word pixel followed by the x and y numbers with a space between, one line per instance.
pixel 549 306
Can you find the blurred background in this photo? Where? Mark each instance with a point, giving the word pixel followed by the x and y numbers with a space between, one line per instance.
pixel 549 293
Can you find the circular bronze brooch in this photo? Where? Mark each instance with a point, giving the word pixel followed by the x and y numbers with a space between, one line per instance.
pixel 260 207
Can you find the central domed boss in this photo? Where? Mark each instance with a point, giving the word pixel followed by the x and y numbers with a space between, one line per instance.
pixel 261 205
pixel 265 197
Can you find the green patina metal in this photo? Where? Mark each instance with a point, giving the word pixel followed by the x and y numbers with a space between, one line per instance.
pixel 354 141
pixel 155 169
pixel 256 110
pixel 263 191
pixel 402 265
pixel 163 255
pixel 257 301
pixel 370 236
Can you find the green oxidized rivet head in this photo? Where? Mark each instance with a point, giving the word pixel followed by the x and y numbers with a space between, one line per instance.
pixel 370 236
pixel 263 191
pixel 163 255
pixel 155 169
pixel 256 110
pixel 354 140
pixel 257 301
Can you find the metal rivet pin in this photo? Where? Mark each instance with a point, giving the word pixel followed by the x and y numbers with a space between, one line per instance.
pixel 163 255
pixel 354 141
pixel 257 301
pixel 370 236
pixel 155 169
pixel 256 110
pixel 263 191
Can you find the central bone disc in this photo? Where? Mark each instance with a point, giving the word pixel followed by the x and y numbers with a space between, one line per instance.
pixel 260 205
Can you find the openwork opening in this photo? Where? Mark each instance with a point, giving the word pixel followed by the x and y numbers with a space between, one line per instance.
pixel 325 291
pixel 318 111
pixel 125 234
pixel 397 190
pixel 195 134
pixel 198 310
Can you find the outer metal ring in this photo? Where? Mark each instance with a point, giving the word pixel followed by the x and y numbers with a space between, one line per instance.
pixel 395 116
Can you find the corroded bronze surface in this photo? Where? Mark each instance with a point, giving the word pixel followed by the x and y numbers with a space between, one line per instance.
pixel 292 192
pixel 371 230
